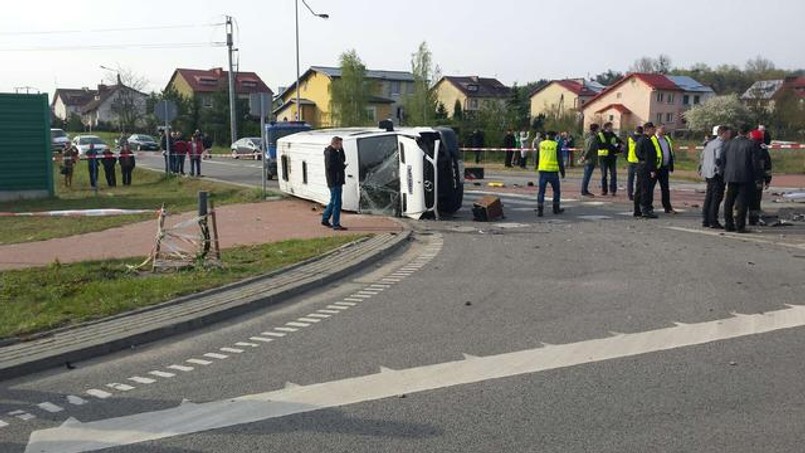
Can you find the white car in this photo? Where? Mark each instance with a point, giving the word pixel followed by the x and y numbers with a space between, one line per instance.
pixel 248 146
pixel 82 142
pixel 58 139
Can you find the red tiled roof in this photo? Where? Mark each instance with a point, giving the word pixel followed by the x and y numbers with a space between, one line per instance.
pixel 619 107
pixel 576 88
pixel 795 84
pixel 212 80
pixel 656 81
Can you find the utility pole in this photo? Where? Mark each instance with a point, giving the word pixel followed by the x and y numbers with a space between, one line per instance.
pixel 233 125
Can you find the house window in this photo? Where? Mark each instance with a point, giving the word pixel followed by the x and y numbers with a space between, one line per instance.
pixel 659 119
pixel 207 101
pixel 685 100
pixel 669 117
pixel 286 167
pixel 371 112
pixel 473 104
pixel 660 97
pixel 619 95
pixel 611 117
pixel 395 88
pixel 696 100
pixel 472 88
pixel 304 172
pixel 671 98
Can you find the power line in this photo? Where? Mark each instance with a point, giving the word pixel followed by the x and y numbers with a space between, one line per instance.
pixel 107 30
pixel 180 45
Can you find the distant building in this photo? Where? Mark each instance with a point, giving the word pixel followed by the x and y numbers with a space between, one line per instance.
pixel 768 92
pixel 69 101
pixel 471 92
pixel 385 100
pixel 640 97
pixel 201 84
pixel 102 105
pixel 563 96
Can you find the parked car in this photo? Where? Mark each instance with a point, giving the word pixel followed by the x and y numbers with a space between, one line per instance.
pixel 82 142
pixel 248 146
pixel 58 139
pixel 142 142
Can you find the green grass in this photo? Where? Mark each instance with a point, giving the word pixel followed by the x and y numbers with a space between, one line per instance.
pixel 149 190
pixel 39 299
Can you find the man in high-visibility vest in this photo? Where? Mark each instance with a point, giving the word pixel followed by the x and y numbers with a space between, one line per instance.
pixel 609 145
pixel 631 158
pixel 649 160
pixel 666 167
pixel 550 165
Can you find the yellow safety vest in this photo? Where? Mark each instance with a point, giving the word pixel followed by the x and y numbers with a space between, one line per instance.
pixel 632 157
pixel 548 156
pixel 657 147
pixel 602 140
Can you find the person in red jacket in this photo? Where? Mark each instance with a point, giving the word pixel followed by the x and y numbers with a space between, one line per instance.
pixel 180 147
pixel 196 151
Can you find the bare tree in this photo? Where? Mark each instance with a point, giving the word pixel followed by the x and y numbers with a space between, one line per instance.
pixel 659 65
pixel 129 101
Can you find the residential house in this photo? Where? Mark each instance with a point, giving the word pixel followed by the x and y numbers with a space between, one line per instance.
pixel 640 97
pixel 385 101
pixel 202 84
pixel 103 105
pixel 768 92
pixel 471 92
pixel 69 101
pixel 563 96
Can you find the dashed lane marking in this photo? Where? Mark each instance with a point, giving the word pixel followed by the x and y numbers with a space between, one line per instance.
pixel 286 329
pixel 142 380
pixel 181 368
pixel 297 324
pixel 120 387
pixel 337 307
pixel 594 217
pixel 22 415
pixel 273 334
pixel 261 339
pixel 215 355
pixel 246 344
pixel 199 362
pixel 76 400
pixel 97 393
pixel 50 407
pixel 162 374
pixel 3 424
pixel 310 320
pixel 231 350
pixel 363 297
pixel 346 304
pixel 319 315
pixel 355 299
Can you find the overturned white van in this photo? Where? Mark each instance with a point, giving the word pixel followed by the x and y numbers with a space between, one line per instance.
pixel 411 172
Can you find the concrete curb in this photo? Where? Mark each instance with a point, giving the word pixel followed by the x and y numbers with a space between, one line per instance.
pixel 186 314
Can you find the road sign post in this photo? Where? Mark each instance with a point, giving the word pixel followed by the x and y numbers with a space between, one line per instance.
pixel 166 111
pixel 260 103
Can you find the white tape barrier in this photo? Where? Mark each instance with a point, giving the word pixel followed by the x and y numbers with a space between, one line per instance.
pixel 80 213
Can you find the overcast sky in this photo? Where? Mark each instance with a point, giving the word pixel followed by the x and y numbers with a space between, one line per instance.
pixel 515 41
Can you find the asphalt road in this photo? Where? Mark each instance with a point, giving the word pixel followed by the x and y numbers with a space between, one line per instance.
pixel 630 336
pixel 237 171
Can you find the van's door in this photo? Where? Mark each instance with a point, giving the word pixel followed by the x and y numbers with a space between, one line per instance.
pixel 418 191
pixel 379 176
pixel 351 196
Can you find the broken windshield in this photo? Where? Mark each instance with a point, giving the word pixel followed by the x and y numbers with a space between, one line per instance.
pixel 379 175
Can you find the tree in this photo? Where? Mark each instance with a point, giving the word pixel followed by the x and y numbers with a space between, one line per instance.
pixel 128 105
pixel 608 78
pixel 420 106
pixel 659 65
pixel 717 111
pixel 519 107
pixel 349 94
pixel 458 112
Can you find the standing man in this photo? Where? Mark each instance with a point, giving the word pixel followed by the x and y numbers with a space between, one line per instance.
pixel 550 165
pixel 589 159
pixel 477 142
pixel 109 160
pixel 525 138
pixel 180 147
pixel 763 178
pixel 334 165
pixel 196 151
pixel 509 143
pixel 712 170
pixel 608 148
pixel 649 159
pixel 666 146
pixel 92 162
pixel 69 159
pixel 126 163
pixel 631 158
pixel 740 170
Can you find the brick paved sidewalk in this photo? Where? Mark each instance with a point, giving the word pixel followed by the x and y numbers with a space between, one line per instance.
pixel 244 224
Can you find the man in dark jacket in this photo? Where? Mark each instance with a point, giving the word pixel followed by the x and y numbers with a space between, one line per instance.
pixel 647 166
pixel 609 145
pixel 762 179
pixel 589 159
pixel 334 165
pixel 740 172
pixel 109 160
pixel 666 168
pixel 509 143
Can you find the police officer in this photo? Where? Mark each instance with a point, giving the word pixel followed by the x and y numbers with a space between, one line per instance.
pixel 608 148
pixel 631 158
pixel 550 166
pixel 666 146
pixel 649 160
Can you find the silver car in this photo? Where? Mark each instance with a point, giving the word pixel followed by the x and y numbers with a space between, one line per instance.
pixel 82 142
pixel 248 146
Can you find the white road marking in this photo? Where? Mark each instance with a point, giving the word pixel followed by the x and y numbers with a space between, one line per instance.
pixel 97 393
pixel 596 203
pixel 162 374
pixel 215 355
pixel 50 407
pixel 231 350
pixel 120 387
pixel 362 297
pixel 379 286
pixel 286 329
pixel 273 334
pixel 198 362
pixel 3 424
pixel 261 339
pixel 346 304
pixel 142 380
pixel 594 217
pixel 182 368
pixel 319 315
pixel 22 415
pixel 331 312
pixel 355 299
pixel 337 307
pixel 188 418
pixel 297 324
pixel 76 400
pixel 391 280
pixel 740 237
pixel 309 320
pixel 247 344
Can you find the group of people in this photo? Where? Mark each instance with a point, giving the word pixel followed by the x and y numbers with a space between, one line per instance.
pixel 177 150
pixel 95 161
pixel 738 161
pixel 522 140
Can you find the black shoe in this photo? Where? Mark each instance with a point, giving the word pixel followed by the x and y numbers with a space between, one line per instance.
pixel 752 222
pixel 717 226
pixel 650 215
pixel 603 193
pixel 326 223
pixel 339 228
pixel 705 225
pixel 670 211
pixel 637 214
pixel 540 211
pixel 587 194
pixel 631 197
pixel 558 210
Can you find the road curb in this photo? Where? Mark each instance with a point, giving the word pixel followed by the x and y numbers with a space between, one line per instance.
pixel 189 313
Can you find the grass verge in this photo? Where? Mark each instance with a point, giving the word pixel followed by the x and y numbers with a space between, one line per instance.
pixel 40 299
pixel 149 190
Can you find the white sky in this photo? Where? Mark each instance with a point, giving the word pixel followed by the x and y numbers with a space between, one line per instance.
pixel 516 41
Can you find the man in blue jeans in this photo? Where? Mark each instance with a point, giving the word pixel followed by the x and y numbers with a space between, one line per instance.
pixel 550 165
pixel 334 165
pixel 589 158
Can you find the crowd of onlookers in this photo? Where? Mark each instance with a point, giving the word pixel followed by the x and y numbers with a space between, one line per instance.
pixel 177 151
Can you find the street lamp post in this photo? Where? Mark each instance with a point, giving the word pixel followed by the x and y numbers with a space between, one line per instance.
pixel 323 16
